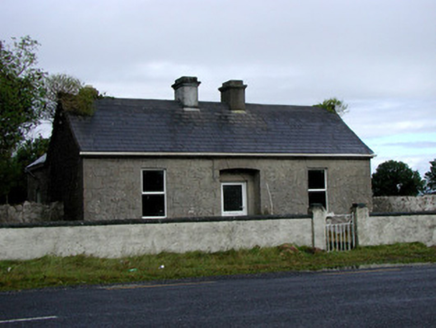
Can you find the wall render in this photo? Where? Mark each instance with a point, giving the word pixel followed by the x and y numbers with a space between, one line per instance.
pixel 135 237
pixel 130 239
pixel 391 228
pixel 112 186
pixel 404 203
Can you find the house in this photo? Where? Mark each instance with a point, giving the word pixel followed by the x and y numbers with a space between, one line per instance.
pixel 37 182
pixel 152 159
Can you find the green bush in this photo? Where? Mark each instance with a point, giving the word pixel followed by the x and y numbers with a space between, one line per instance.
pixel 82 103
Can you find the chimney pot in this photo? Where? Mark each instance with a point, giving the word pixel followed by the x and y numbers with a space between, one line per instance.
pixel 186 92
pixel 233 94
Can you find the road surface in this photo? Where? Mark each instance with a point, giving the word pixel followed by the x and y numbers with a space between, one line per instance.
pixel 382 297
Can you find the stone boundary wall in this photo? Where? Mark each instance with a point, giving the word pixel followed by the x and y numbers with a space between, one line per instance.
pixel 391 228
pixel 389 204
pixel 124 238
pixel 31 212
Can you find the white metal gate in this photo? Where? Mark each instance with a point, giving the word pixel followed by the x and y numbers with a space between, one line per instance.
pixel 340 233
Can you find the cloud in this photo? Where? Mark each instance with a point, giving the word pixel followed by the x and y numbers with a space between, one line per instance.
pixel 414 145
pixel 377 56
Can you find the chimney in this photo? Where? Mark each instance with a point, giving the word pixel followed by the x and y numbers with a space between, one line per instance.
pixel 186 92
pixel 233 94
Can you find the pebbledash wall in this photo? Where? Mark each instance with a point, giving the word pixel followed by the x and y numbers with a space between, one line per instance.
pixel 112 186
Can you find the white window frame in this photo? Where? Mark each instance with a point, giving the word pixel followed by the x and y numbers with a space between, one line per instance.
pixel 244 199
pixel 154 193
pixel 320 189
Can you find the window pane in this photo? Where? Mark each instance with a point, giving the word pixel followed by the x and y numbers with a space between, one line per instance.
pixel 153 205
pixel 233 199
pixel 316 179
pixel 317 197
pixel 152 181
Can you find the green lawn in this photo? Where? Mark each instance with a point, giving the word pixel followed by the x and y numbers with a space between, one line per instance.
pixel 79 270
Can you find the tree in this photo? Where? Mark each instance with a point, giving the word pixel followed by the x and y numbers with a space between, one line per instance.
pixel 430 176
pixel 334 105
pixel 27 152
pixel 56 85
pixel 21 92
pixel 22 102
pixel 394 178
pixel 9 173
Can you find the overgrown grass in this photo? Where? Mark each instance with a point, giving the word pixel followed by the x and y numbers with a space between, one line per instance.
pixel 79 270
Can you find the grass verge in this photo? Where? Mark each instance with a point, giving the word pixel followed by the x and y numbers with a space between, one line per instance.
pixel 80 270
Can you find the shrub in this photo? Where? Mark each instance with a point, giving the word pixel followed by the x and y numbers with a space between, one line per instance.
pixel 82 103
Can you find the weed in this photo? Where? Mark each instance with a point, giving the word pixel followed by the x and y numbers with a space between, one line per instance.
pixel 79 270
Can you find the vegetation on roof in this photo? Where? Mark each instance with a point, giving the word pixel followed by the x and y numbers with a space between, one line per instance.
pixel 334 105
pixel 81 103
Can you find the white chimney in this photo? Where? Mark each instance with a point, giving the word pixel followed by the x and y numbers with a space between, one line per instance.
pixel 186 92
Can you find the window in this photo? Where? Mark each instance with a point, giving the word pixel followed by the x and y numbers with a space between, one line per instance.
pixel 153 194
pixel 317 187
pixel 234 198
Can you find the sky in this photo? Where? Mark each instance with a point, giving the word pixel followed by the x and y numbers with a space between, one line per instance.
pixel 378 56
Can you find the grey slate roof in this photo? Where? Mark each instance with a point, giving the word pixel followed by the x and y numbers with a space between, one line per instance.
pixel 162 126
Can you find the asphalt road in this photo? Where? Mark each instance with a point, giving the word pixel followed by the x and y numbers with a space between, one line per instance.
pixel 382 297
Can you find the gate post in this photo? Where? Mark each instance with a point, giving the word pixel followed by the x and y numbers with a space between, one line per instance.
pixel 361 214
pixel 319 216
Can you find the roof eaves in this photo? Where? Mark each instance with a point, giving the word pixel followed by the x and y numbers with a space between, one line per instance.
pixel 211 154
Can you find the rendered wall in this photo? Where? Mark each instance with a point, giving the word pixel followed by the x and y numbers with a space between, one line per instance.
pixel 129 238
pixel 112 186
pixel 404 203
pixel 393 228
pixel 120 240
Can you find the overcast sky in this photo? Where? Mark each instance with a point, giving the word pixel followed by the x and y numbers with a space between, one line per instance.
pixel 378 56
